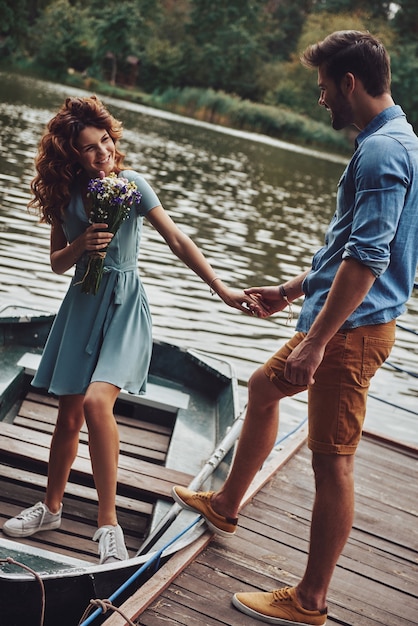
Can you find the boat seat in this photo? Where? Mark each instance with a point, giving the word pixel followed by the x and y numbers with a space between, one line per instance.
pixel 27 449
pixel 157 396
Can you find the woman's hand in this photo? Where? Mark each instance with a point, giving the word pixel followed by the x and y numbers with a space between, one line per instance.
pixel 266 300
pixel 64 255
pixel 96 237
pixel 238 299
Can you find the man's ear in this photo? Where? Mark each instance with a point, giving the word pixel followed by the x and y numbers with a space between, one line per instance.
pixel 348 83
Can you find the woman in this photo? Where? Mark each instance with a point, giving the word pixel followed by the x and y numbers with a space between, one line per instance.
pixel 99 343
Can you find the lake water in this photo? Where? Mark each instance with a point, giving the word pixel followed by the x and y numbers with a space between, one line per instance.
pixel 258 208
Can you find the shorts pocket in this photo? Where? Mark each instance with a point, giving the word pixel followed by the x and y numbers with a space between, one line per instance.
pixel 375 352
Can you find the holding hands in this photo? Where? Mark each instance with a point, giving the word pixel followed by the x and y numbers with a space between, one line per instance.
pixel 235 298
pixel 266 300
pixel 259 301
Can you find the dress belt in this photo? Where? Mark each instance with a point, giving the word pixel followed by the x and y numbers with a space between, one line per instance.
pixel 115 288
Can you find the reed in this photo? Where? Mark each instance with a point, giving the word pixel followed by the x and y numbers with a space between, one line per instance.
pixel 217 107
pixel 221 108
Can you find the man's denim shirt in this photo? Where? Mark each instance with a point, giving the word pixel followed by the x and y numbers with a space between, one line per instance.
pixel 376 223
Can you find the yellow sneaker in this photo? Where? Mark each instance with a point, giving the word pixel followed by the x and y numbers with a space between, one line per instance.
pixel 280 606
pixel 199 502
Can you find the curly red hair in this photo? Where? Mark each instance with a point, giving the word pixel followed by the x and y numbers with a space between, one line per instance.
pixel 57 159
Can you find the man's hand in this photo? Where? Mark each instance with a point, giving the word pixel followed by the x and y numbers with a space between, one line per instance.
pixel 266 300
pixel 302 364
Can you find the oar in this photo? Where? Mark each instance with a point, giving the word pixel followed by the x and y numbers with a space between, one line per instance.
pixel 211 464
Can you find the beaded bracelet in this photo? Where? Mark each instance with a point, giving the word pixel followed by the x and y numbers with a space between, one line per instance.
pixel 289 304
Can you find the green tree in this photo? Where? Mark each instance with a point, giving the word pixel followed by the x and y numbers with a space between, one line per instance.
pixel 405 59
pixel 13 25
pixel 162 60
pixel 374 9
pixel 36 8
pixel 119 41
pixel 405 21
pixel 283 23
pixel 61 39
pixel 225 46
pixel 404 62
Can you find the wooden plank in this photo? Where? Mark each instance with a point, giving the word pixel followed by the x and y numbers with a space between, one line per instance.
pixel 149 447
pixel 375 582
pixel 137 437
pixel 147 477
pixel 143 598
pixel 47 400
pixel 156 396
pixel 382 565
pixel 280 498
pixel 21 438
pixel 79 522
pixel 149 591
pixel 79 492
pixel 196 588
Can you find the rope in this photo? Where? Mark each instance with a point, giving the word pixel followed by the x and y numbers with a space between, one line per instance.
pixel 401 369
pixel 104 606
pixel 396 406
pixel 290 433
pixel 409 330
pixel 37 577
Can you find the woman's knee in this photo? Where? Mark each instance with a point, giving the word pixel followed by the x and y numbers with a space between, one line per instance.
pixel 99 402
pixel 70 414
pixel 94 407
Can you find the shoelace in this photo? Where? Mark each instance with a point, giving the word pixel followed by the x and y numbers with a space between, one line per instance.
pixel 33 512
pixel 282 595
pixel 205 496
pixel 107 543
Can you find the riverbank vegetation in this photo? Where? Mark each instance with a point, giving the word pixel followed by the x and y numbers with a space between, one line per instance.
pixel 234 63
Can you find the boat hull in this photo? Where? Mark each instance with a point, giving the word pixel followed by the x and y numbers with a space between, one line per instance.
pixel 67 597
pixel 193 428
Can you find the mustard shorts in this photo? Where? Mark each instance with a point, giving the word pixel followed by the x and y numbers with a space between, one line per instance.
pixel 337 400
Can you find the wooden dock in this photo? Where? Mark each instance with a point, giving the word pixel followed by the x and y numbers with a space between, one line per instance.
pixel 376 580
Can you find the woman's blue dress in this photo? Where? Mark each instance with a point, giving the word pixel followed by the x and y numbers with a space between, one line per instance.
pixel 105 337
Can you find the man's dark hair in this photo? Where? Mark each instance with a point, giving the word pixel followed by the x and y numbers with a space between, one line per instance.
pixel 352 51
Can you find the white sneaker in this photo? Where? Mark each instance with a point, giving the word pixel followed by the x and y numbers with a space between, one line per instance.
pixel 32 520
pixel 111 544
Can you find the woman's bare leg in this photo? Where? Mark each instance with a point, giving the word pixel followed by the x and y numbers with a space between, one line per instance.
pixel 104 447
pixel 64 446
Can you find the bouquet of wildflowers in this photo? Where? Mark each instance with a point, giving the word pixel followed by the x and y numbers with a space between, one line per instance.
pixel 111 200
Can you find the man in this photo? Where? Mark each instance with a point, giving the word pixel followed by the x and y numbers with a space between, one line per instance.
pixel 356 288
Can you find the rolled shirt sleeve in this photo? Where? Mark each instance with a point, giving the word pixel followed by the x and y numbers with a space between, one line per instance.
pixel 381 176
pixel 375 222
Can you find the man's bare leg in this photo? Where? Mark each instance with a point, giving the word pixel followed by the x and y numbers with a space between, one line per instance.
pixel 255 443
pixel 332 520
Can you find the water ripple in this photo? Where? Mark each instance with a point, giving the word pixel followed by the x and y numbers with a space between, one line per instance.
pixel 257 208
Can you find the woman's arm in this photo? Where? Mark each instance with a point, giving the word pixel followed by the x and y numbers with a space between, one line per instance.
pixel 188 252
pixel 64 255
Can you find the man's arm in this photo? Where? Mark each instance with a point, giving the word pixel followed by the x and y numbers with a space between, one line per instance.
pixel 349 288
